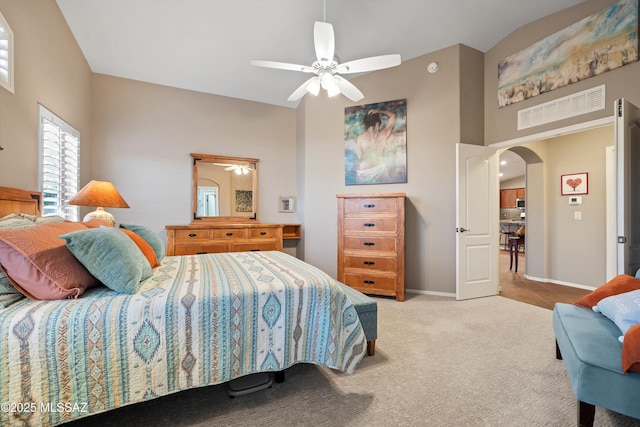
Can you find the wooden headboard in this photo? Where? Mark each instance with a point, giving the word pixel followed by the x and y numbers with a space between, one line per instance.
pixel 13 200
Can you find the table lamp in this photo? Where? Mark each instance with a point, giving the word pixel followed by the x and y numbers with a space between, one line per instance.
pixel 99 194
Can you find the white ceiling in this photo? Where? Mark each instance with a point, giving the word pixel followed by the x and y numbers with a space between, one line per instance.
pixel 511 166
pixel 206 45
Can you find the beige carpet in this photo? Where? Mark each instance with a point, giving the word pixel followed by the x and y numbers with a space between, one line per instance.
pixel 439 362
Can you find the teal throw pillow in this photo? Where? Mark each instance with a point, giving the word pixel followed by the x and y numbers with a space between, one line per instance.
pixel 110 256
pixel 151 238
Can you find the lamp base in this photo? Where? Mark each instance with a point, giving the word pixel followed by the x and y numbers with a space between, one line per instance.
pixel 102 215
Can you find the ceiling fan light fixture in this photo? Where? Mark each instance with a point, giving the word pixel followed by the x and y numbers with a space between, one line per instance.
pixel 333 91
pixel 314 87
pixel 327 81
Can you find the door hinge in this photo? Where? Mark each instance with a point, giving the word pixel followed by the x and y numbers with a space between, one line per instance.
pixel 622 239
pixel 619 107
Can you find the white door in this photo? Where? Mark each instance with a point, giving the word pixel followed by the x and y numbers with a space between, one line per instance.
pixel 627 135
pixel 477 221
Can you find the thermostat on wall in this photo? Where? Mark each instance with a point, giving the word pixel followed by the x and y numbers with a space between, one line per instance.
pixel 575 200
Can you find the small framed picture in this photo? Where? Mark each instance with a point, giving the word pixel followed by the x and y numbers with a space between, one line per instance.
pixel 575 183
pixel 287 204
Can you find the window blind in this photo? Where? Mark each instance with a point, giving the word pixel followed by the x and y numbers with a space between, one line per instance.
pixel 6 55
pixel 59 165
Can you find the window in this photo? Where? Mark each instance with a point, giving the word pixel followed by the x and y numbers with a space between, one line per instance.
pixel 59 165
pixel 6 55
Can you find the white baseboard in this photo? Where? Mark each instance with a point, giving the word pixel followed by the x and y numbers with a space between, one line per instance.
pixel 559 282
pixel 438 294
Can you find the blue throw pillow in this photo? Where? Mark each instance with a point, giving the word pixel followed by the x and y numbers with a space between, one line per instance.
pixel 110 256
pixel 147 234
pixel 623 309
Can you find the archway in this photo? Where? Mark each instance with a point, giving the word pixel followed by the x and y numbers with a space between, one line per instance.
pixel 534 210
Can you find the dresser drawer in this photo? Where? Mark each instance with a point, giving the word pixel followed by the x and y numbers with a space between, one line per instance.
pixel 202 249
pixel 229 233
pixel 370 224
pixel 370 262
pixel 386 244
pixel 262 233
pixel 192 235
pixel 370 205
pixel 369 281
pixel 253 246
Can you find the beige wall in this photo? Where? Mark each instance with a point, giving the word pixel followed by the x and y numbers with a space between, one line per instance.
pixel 434 126
pixel 144 133
pixel 501 123
pixel 51 70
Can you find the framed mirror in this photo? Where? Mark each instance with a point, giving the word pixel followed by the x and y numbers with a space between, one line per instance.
pixel 224 188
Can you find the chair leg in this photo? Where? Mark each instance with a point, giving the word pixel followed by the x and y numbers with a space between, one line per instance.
pixel 586 414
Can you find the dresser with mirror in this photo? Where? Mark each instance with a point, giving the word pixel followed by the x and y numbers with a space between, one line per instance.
pixel 224 198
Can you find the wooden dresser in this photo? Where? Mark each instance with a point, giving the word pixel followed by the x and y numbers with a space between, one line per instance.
pixel 212 237
pixel 371 243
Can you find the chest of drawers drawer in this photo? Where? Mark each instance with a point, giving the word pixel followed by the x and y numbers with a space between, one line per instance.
pixel 367 282
pixel 229 233
pixel 370 224
pixel 370 205
pixel 201 249
pixel 373 244
pixel 371 262
pixel 262 233
pixel 253 246
pixel 192 236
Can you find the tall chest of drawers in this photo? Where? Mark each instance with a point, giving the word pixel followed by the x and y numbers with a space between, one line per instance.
pixel 371 243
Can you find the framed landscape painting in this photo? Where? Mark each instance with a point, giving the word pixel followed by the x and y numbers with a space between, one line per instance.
pixel 601 42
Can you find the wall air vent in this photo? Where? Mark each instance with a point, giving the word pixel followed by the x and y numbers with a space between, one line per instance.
pixel 562 108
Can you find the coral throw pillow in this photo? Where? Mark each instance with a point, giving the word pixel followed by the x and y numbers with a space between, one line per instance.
pixel 39 264
pixel 620 284
pixel 631 350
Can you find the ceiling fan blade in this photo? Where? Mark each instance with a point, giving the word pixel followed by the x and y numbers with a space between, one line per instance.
pixel 348 89
pixel 301 90
pixel 282 66
pixel 369 64
pixel 324 41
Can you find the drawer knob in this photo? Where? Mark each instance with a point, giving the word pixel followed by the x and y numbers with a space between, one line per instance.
pixel 368 224
pixel 369 263
pixel 369 282
pixel 369 244
pixel 201 253
pixel 262 233
pixel 229 234
pixel 192 234
pixel 369 205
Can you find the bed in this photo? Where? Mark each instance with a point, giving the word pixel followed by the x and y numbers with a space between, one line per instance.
pixel 197 320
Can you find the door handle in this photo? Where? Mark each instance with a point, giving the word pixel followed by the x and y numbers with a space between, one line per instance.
pixel 461 229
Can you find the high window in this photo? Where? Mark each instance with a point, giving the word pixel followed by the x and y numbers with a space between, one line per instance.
pixel 6 55
pixel 59 165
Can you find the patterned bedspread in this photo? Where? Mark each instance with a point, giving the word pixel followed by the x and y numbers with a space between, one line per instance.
pixel 199 320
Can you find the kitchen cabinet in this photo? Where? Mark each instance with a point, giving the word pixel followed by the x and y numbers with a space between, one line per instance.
pixel 508 197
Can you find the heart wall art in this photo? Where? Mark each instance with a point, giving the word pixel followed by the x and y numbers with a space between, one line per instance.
pixel 575 183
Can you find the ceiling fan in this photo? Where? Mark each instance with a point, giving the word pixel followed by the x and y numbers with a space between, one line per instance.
pixel 327 67
pixel 238 169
